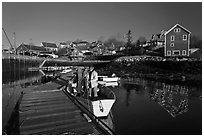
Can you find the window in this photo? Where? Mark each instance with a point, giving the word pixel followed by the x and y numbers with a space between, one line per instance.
pixel 184 52
pixel 176 52
pixel 172 45
pixel 184 37
pixel 172 38
pixel 168 53
pixel 177 30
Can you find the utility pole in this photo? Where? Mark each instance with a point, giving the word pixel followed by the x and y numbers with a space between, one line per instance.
pixel 14 38
pixel 30 45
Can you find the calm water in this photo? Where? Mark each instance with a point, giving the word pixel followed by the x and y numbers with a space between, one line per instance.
pixel 13 83
pixel 142 107
pixel 147 107
pixel 11 90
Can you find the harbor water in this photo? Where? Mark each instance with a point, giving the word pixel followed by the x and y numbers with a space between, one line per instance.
pixel 143 107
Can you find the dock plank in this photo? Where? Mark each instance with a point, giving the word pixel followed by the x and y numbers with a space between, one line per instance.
pixel 51 112
pixel 60 128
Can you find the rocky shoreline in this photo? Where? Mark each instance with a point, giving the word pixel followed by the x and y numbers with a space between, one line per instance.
pixel 185 72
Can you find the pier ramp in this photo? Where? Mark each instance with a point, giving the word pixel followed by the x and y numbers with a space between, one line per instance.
pixel 50 111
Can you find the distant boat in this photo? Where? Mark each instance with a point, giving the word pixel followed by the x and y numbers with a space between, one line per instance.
pixel 66 71
pixel 108 81
pixel 108 84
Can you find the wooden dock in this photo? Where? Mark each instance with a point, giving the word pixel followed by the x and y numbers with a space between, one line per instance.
pixel 50 112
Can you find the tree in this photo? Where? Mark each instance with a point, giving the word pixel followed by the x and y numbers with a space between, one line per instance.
pixel 129 45
pixel 195 42
pixel 113 43
pixel 142 40
pixel 138 43
pixel 31 42
pixel 78 40
pixel 101 39
pixel 129 38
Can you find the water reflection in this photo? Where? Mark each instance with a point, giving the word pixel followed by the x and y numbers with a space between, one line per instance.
pixel 138 89
pixel 12 89
pixel 173 98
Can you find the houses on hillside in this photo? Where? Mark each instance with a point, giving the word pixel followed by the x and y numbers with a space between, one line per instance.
pixel 82 46
pixel 157 41
pixel 175 41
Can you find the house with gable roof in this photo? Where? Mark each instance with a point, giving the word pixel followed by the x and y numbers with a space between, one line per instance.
pixel 156 41
pixel 31 49
pixel 177 41
pixel 82 46
pixel 97 47
pixel 51 47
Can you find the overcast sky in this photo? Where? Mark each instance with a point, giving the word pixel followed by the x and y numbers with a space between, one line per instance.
pixel 60 22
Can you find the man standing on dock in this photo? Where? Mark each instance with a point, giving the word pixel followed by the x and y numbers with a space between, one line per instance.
pixel 93 82
pixel 85 81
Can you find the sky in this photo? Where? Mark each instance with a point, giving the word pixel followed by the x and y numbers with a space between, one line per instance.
pixel 67 21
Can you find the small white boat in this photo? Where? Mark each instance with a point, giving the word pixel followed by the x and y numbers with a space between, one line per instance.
pixel 66 71
pixel 108 79
pixel 100 107
pixel 103 105
pixel 109 84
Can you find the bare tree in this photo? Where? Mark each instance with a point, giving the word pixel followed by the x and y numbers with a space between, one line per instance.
pixel 195 42
pixel 142 40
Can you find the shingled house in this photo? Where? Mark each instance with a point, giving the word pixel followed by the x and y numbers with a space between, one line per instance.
pixel 51 47
pixel 82 46
pixel 177 41
pixel 157 40
pixel 29 49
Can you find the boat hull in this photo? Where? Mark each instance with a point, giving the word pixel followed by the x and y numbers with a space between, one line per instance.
pixel 108 84
pixel 108 79
pixel 101 108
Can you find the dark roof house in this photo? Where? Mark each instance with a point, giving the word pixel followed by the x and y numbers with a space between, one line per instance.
pixel 82 46
pixel 30 48
pixel 50 46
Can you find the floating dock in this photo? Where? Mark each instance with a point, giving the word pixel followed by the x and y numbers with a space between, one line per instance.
pixel 50 112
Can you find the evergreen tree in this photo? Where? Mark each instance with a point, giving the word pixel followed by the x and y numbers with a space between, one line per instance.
pixel 129 42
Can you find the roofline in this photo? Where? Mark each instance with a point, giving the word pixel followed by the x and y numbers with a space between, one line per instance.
pixel 23 44
pixel 28 47
pixel 175 26
pixel 48 43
